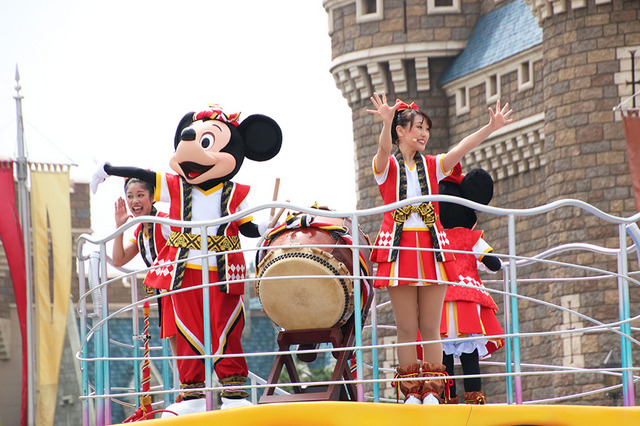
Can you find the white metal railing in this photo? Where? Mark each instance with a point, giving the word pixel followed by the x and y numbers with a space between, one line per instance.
pixel 92 259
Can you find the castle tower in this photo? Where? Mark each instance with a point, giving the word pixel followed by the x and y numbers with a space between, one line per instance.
pixel 586 49
pixel 401 48
pixel 586 71
pixel 562 65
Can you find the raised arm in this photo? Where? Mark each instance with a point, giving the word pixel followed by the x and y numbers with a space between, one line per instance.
pixel 385 144
pixel 496 121
pixel 105 170
pixel 131 172
pixel 122 252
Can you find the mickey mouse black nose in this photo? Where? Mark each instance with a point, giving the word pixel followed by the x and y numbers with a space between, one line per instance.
pixel 188 134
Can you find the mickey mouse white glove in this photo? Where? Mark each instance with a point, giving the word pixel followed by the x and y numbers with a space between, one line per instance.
pixel 482 267
pixel 98 177
pixel 263 227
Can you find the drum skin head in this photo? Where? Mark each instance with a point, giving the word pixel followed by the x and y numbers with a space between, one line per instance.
pixel 295 302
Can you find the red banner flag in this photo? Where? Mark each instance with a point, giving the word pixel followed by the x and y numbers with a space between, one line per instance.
pixel 631 121
pixel 13 242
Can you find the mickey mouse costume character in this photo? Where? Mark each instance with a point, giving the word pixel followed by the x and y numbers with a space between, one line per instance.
pixel 210 147
pixel 468 311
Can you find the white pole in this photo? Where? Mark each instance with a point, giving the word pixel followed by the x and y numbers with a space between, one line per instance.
pixel 25 220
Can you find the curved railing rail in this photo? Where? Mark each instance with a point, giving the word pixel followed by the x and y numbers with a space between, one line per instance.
pixel 93 269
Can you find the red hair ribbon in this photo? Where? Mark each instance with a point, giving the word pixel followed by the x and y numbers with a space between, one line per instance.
pixel 215 113
pixel 404 106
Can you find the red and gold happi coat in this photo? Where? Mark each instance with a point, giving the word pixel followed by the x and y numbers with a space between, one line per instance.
pixel 465 239
pixel 390 228
pixel 150 245
pixel 226 198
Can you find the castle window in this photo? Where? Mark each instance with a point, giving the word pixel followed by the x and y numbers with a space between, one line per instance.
pixel 525 76
pixel 443 6
pixel 492 88
pixel 462 101
pixel 370 6
pixel 368 10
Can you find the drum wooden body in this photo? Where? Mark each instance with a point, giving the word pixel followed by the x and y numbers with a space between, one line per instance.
pixel 307 287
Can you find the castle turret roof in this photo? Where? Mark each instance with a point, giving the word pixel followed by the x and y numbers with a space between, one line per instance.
pixel 497 35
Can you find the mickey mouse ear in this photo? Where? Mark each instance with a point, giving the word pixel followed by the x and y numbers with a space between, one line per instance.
pixel 477 186
pixel 453 215
pixel 262 137
pixel 186 121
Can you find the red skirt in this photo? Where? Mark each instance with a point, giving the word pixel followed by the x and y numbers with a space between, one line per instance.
pixel 413 265
pixel 463 319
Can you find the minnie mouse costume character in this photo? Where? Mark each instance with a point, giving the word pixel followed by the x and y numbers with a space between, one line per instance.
pixel 210 147
pixel 468 311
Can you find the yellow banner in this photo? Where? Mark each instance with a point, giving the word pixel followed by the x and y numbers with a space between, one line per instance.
pixel 51 229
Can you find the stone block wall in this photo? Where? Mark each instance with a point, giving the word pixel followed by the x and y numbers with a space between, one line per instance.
pixel 566 143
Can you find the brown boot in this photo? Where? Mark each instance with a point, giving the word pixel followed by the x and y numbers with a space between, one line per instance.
pixel 450 399
pixel 475 398
pixel 233 387
pixel 435 386
pixel 191 391
pixel 408 387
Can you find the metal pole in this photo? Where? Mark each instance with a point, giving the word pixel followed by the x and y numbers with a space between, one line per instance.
pixel 98 314
pixel 515 324
pixel 628 396
pixel 374 342
pixel 357 308
pixel 633 75
pixel 23 207
pixel 84 351
pixel 508 344
pixel 136 336
pixel 105 334
pixel 206 316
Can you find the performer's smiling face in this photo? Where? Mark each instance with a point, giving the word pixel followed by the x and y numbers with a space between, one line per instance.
pixel 199 156
pixel 139 198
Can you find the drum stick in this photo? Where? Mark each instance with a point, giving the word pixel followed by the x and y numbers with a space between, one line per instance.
pixel 275 218
pixel 272 223
pixel 275 195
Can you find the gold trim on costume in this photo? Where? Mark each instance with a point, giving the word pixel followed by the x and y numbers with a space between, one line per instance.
pixel 425 210
pixel 214 242
pixel 210 191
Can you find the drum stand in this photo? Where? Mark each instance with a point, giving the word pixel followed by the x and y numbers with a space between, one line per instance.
pixel 338 337
pixel 332 392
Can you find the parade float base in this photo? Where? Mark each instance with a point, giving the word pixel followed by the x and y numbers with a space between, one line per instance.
pixel 355 413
